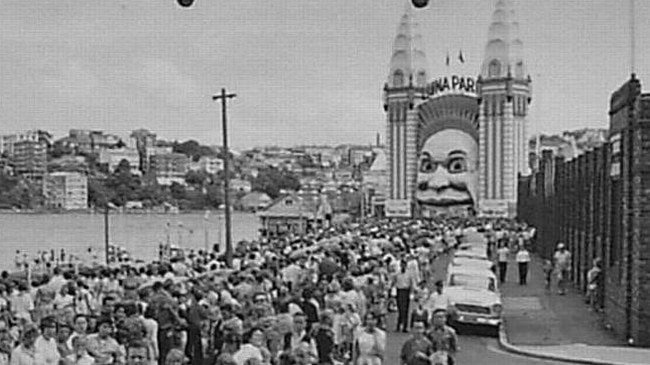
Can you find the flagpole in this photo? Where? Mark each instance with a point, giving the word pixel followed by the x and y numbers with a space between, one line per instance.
pixel 632 38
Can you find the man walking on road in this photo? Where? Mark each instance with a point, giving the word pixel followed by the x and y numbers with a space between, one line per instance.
pixel 404 283
pixel 562 261
pixel 417 349
pixel 523 258
pixel 502 258
pixel 443 338
pixel 437 299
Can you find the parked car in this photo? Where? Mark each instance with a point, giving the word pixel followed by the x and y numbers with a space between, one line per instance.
pixel 472 253
pixel 474 296
pixel 473 263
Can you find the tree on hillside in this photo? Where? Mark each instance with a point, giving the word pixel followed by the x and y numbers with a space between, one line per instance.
pixel 178 191
pixel 123 183
pixel 214 195
pixel 98 193
pixel 8 188
pixel 272 180
pixel 197 178
pixel 193 149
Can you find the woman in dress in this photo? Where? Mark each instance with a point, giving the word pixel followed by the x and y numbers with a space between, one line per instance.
pixel 370 343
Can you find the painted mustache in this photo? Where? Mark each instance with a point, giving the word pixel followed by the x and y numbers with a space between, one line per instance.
pixel 453 194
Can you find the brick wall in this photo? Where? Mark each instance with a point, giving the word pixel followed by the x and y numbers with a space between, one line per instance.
pixel 599 205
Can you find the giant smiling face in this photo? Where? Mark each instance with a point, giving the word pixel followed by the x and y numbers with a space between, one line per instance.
pixel 447 169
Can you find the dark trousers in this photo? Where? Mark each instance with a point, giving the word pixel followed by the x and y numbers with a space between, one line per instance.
pixel 165 344
pixel 194 346
pixel 523 272
pixel 403 299
pixel 503 269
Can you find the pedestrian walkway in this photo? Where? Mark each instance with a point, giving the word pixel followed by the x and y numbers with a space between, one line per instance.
pixel 539 321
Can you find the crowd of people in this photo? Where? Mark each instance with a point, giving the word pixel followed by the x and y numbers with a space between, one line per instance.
pixel 320 298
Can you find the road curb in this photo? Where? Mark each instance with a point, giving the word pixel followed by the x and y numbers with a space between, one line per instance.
pixel 507 346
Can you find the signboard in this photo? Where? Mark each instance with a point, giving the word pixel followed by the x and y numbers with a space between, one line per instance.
pixel 493 208
pixel 395 208
pixel 452 84
pixel 615 166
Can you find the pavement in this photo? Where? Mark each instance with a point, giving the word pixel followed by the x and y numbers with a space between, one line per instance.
pixel 542 324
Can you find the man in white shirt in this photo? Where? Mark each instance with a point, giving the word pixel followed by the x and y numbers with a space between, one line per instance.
pixel 45 344
pixel 22 303
pixel 502 258
pixel 25 353
pixel 298 335
pixel 80 327
pixel 562 261
pixel 57 281
pixel 523 258
pixel 437 299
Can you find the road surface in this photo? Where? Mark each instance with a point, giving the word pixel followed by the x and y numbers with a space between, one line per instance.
pixel 476 348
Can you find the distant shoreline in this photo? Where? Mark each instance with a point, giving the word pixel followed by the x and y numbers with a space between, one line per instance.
pixel 112 212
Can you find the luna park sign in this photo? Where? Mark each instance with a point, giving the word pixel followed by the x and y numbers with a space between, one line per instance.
pixel 451 84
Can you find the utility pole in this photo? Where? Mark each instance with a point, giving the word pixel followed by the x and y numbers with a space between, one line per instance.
pixel 106 235
pixel 226 167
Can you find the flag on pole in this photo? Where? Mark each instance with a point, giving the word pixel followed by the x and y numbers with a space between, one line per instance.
pixel 460 57
pixel 447 62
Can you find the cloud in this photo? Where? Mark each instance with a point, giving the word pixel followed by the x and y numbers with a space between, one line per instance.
pixel 73 82
pixel 163 80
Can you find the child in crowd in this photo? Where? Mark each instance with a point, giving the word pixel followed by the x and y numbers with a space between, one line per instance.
pixel 548 273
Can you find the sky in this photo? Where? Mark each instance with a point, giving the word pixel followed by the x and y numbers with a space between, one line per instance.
pixel 304 71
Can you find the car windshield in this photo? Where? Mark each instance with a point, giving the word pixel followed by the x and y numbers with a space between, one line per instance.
pixel 473 281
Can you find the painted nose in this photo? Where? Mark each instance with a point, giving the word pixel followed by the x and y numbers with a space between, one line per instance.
pixel 439 179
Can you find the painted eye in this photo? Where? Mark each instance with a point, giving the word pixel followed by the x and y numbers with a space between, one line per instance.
pixel 457 165
pixel 427 165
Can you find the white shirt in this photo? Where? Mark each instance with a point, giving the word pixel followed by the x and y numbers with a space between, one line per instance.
pixel 22 304
pixel 21 356
pixel 56 283
pixel 296 339
pixel 151 326
pixel 291 273
pixel 48 350
pixel 246 352
pixel 562 259
pixel 523 256
pixel 62 301
pixel 83 360
pixel 502 254
pixel 436 301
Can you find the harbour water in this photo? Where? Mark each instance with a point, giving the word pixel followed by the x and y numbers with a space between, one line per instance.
pixel 140 234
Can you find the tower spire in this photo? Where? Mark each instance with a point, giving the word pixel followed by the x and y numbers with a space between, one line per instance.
pixel 408 61
pixel 504 49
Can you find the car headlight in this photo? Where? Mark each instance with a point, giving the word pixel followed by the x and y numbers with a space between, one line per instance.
pixel 497 309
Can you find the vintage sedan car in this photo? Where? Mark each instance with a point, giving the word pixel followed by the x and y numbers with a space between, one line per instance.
pixel 473 263
pixel 472 252
pixel 474 296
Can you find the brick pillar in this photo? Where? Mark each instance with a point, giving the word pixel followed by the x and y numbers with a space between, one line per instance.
pixel 578 273
pixel 599 212
pixel 590 178
pixel 574 218
pixel 642 175
pixel 627 211
pixel 562 189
